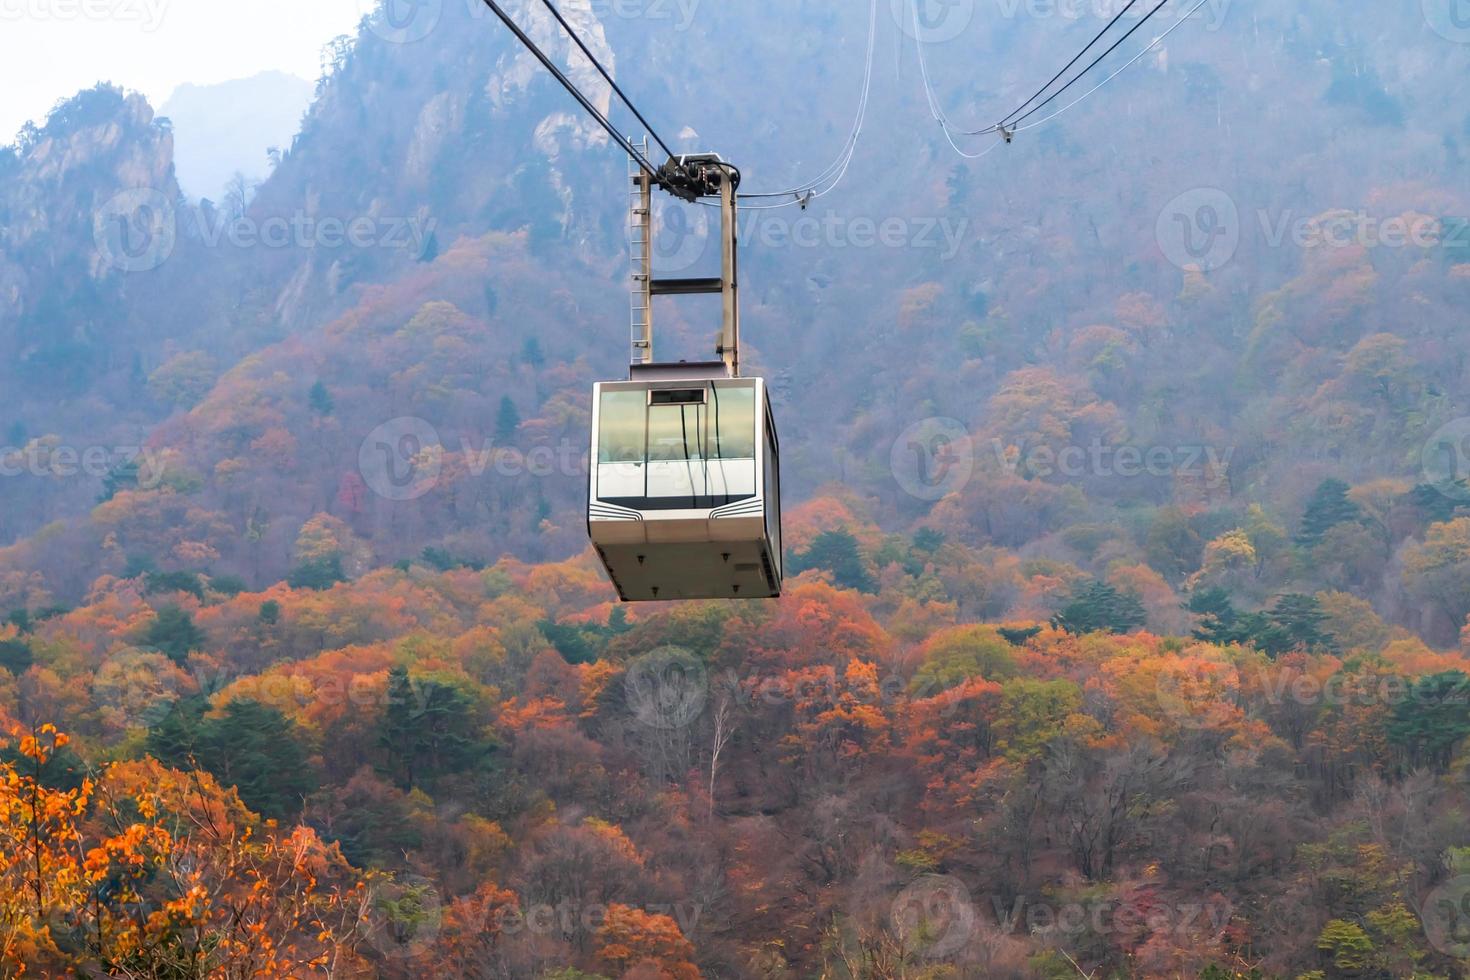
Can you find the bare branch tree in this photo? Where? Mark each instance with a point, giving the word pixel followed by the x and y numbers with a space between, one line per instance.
pixel 724 730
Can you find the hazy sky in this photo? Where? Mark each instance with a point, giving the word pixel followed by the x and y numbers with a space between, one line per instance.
pixel 50 49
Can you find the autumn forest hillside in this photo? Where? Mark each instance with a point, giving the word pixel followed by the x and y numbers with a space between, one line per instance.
pixel 1127 478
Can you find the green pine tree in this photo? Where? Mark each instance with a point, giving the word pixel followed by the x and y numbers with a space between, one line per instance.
pixel 507 420
pixel 15 657
pixel 321 400
pixel 317 573
pixel 428 730
pixel 174 634
pixel 1329 507
pixel 396 735
pixel 250 746
pixel 836 552
pixel 1297 620
pixel 1433 720
pixel 255 749
pixel 1219 617
pixel 1100 608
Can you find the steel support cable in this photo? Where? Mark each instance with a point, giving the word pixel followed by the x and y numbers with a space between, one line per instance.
pixel 1081 98
pixel 571 88
pixel 1096 61
pixel 1135 59
pixel 1057 77
pixel 840 165
pixel 804 196
pixel 849 147
pixel 607 76
pixel 934 108
pixel 803 200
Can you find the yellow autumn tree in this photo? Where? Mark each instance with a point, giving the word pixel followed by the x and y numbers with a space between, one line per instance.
pixel 143 871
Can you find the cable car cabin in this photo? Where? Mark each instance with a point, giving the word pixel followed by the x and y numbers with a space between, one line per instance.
pixel 685 497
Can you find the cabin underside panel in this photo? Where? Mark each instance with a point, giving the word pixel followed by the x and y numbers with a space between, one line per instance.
pixel 691 570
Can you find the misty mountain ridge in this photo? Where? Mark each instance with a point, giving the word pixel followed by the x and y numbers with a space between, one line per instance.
pixel 227 128
pixel 1076 285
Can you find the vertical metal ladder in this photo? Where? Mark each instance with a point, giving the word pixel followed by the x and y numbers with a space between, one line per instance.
pixel 640 247
pixel 715 177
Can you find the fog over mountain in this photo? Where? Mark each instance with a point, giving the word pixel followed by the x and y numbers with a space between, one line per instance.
pixel 227 129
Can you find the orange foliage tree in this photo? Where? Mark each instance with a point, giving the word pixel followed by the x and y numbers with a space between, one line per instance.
pixel 651 945
pixel 147 872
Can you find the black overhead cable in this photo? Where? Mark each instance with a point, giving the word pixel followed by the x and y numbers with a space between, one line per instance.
pixel 804 193
pixel 608 77
pixel 1055 78
pixel 576 93
pixel 666 176
pixel 1096 61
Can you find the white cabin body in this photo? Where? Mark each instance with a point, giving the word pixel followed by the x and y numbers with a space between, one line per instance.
pixel 684 499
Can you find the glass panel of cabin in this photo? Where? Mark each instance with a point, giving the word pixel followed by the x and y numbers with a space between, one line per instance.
pixel 676 453
pixel 732 442
pixel 677 448
pixel 773 498
pixel 621 445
